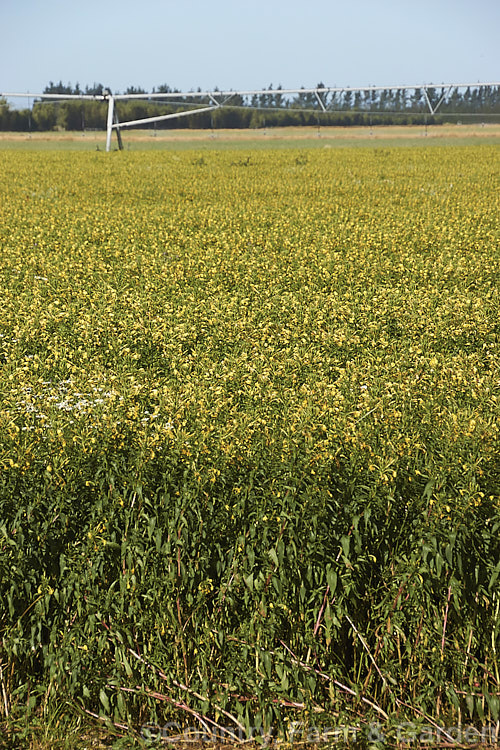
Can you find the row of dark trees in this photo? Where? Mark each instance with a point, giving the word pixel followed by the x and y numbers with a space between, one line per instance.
pixel 274 108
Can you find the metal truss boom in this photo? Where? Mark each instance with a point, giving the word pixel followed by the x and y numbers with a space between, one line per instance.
pixel 316 89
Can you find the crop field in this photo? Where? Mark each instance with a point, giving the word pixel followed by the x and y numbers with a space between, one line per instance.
pixel 272 138
pixel 249 440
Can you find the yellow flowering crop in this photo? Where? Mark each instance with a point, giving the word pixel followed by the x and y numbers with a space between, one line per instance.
pixel 250 398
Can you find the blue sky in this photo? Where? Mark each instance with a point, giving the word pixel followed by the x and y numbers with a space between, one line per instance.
pixel 242 45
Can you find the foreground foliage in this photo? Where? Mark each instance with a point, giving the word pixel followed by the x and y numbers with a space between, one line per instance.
pixel 250 437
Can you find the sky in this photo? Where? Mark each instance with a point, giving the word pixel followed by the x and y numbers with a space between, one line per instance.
pixel 247 45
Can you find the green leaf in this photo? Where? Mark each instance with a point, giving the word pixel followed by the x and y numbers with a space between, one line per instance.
pixel 493 705
pixel 469 702
pixel 273 556
pixel 104 700
pixel 448 553
pixel 331 579
pixel 345 542
pixel 126 664
pixel 494 576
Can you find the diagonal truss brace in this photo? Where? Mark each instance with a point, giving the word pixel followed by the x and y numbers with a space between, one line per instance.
pixel 114 124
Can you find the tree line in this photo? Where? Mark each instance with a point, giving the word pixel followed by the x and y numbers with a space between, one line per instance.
pixel 270 109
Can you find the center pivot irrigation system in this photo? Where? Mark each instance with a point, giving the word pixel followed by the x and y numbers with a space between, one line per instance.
pixel 212 100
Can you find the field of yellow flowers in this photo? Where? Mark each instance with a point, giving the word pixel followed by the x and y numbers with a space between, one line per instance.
pixel 249 437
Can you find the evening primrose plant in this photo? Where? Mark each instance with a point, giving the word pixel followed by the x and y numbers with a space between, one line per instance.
pixel 250 438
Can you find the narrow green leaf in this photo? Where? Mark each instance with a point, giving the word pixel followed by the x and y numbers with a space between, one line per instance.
pixel 273 556
pixel 104 700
